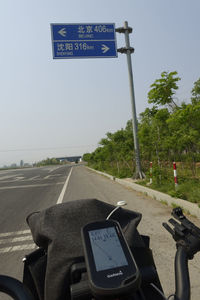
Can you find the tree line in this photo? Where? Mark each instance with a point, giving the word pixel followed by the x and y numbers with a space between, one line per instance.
pixel 168 131
pixel 47 162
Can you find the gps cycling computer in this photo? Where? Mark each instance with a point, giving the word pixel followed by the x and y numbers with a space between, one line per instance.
pixel 111 268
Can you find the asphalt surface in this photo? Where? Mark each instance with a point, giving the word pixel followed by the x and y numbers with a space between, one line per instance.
pixel 22 192
pixel 26 190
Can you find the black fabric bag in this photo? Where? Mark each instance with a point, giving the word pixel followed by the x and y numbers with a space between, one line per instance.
pixel 57 231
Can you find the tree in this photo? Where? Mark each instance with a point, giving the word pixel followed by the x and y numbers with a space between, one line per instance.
pixel 184 125
pixel 48 161
pixel 118 146
pixel 163 90
pixel 166 132
pixel 87 157
pixel 153 132
pixel 145 133
pixel 196 92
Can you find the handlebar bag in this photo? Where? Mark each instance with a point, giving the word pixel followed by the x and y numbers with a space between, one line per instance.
pixel 57 231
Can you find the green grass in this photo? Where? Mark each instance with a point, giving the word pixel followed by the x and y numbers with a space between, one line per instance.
pixel 187 189
pixel 163 179
pixel 185 211
pixel 174 205
pixel 164 202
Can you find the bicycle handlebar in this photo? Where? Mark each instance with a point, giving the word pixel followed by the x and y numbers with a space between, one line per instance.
pixel 187 237
pixel 182 275
pixel 14 288
pixel 184 232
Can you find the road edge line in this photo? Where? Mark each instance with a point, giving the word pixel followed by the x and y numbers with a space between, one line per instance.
pixel 60 198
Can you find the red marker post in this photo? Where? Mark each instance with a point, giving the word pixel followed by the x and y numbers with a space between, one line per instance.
pixel 175 175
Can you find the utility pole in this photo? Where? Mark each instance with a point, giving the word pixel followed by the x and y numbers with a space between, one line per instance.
pixel 128 51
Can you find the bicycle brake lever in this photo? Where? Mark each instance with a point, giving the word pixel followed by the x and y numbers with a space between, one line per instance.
pixel 177 213
pixel 168 228
pixel 185 233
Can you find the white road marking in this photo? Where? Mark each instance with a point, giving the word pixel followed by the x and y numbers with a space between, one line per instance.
pixel 9 176
pixel 21 232
pixel 53 175
pixel 16 239
pixel 10 238
pixel 53 169
pixel 60 199
pixel 28 186
pixel 18 248
pixel 32 178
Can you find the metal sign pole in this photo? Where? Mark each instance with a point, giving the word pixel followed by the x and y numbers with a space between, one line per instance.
pixel 128 50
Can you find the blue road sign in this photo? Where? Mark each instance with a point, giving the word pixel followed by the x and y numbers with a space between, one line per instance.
pixel 83 40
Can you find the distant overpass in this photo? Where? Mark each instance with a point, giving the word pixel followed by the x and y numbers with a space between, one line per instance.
pixel 70 158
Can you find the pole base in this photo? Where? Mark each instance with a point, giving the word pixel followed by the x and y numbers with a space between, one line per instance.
pixel 138 175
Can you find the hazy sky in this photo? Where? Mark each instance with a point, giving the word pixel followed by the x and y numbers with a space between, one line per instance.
pixel 51 108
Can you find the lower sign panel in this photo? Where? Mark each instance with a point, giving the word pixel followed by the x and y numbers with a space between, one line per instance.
pixel 84 49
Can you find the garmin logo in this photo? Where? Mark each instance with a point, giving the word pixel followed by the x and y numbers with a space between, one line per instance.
pixel 115 274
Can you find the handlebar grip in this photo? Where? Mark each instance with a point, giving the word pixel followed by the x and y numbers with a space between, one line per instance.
pixel 14 288
pixel 182 275
pixel 81 291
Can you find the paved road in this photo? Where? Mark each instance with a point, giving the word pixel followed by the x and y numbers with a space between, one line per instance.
pixel 24 191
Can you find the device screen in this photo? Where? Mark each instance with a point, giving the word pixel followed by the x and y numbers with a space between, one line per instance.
pixel 107 249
